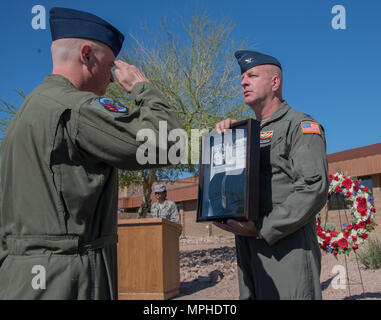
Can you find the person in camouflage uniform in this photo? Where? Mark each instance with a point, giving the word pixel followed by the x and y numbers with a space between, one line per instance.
pixel 164 208
pixel 278 256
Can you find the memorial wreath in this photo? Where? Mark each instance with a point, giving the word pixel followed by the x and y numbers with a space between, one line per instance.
pixel 362 211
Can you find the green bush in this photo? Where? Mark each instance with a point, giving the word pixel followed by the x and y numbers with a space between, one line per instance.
pixel 329 226
pixel 371 256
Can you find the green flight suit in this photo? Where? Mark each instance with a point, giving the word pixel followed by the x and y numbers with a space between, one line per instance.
pixel 59 189
pixel 286 263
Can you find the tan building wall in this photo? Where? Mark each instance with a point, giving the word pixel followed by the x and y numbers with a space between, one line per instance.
pixel 190 228
pixel 360 162
pixel 199 229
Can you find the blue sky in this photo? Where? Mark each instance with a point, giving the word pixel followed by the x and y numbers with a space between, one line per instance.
pixel 333 75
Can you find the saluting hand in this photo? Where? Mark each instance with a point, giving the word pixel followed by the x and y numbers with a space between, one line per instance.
pixel 128 75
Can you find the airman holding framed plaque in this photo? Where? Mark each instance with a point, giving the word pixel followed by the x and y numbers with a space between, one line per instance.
pixel 278 255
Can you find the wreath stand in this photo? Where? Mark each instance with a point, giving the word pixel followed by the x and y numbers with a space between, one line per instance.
pixel 342 205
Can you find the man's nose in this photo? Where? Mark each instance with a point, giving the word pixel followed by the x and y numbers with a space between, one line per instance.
pixel 244 82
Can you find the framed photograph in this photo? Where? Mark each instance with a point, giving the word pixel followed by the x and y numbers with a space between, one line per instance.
pixel 229 173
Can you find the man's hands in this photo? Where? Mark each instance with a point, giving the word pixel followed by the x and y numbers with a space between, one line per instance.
pixel 239 228
pixel 224 124
pixel 128 75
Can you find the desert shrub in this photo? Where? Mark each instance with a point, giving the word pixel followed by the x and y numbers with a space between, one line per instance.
pixel 329 226
pixel 370 257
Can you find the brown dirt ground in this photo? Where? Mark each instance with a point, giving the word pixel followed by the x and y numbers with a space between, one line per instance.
pixel 208 270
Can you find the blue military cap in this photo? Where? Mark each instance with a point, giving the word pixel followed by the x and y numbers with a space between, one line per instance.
pixel 70 23
pixel 249 59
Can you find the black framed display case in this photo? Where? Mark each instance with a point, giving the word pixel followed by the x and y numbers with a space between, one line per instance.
pixel 229 173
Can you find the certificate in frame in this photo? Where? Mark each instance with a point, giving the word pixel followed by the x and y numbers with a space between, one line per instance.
pixel 229 173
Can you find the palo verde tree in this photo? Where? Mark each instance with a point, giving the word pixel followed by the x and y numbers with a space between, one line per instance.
pixel 7 111
pixel 192 63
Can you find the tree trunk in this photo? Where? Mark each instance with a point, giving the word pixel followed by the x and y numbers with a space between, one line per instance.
pixel 148 181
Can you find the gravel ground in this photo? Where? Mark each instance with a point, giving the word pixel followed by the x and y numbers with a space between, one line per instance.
pixel 208 270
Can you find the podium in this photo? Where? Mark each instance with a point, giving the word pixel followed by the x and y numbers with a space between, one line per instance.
pixel 148 259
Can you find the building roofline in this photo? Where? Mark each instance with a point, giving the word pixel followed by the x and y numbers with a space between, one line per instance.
pixel 187 188
pixel 361 152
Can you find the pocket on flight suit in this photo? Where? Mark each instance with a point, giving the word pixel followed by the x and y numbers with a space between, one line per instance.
pixel 40 276
pixel 279 153
pixel 306 167
pixel 21 276
pixel 4 278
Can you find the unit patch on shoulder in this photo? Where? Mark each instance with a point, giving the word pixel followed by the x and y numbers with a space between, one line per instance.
pixel 112 105
pixel 310 127
pixel 266 136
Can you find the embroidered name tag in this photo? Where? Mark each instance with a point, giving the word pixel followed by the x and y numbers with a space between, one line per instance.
pixel 310 127
pixel 266 136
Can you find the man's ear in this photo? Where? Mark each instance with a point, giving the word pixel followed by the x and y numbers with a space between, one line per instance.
pixel 276 82
pixel 85 54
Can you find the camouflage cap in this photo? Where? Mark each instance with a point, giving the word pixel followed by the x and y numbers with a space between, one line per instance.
pixel 159 188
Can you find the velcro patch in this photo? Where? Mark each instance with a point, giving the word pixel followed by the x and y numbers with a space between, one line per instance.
pixel 112 105
pixel 266 136
pixel 310 127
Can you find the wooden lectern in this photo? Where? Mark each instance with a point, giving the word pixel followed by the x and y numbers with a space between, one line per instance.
pixel 148 259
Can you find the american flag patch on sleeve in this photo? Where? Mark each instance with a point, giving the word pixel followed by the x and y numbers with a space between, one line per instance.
pixel 310 127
